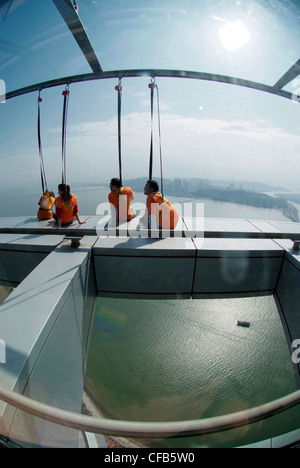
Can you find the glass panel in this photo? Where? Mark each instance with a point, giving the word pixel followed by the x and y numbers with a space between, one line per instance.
pixel 255 40
pixel 36 45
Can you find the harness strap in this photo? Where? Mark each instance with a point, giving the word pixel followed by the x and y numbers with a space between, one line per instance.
pixel 152 85
pixel 160 147
pixel 118 195
pixel 67 206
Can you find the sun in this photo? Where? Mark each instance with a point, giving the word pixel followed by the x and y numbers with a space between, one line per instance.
pixel 234 35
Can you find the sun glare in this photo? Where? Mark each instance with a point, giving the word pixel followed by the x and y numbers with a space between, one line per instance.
pixel 234 35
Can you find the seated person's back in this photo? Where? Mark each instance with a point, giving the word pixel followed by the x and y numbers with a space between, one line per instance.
pixel 120 199
pixel 160 212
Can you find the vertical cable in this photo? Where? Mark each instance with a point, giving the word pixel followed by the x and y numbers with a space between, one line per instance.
pixel 66 94
pixel 152 86
pixel 119 89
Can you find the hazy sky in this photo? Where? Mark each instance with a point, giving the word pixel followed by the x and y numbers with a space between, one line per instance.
pixel 209 130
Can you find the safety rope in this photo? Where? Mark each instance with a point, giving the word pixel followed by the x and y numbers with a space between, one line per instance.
pixel 42 166
pixel 66 94
pixel 119 89
pixel 153 86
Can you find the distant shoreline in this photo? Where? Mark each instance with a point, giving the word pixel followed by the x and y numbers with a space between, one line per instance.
pixel 249 203
pixel 249 198
pixel 224 194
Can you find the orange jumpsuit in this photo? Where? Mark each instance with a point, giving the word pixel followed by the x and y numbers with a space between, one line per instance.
pixel 66 210
pixel 46 204
pixel 122 204
pixel 166 214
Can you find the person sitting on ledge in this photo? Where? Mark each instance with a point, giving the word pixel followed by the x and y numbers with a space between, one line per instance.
pixel 160 213
pixel 120 199
pixel 46 204
pixel 66 207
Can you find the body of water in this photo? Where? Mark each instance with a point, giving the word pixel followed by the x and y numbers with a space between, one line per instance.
pixel 168 360
pixel 25 203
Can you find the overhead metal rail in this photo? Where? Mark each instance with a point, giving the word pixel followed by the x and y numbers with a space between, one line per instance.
pixel 153 73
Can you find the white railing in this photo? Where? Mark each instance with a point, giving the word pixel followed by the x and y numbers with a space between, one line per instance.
pixel 149 429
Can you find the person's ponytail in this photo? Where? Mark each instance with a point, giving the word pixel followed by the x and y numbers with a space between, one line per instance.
pixel 66 189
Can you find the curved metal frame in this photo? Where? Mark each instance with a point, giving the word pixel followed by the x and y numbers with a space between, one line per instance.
pixel 149 430
pixel 119 74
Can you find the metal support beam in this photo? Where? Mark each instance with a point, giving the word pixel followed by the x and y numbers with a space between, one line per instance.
pixel 289 76
pixel 70 16
pixel 151 73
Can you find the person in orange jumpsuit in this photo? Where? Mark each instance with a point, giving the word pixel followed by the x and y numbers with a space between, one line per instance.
pixel 66 207
pixel 46 204
pixel 120 199
pixel 160 213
